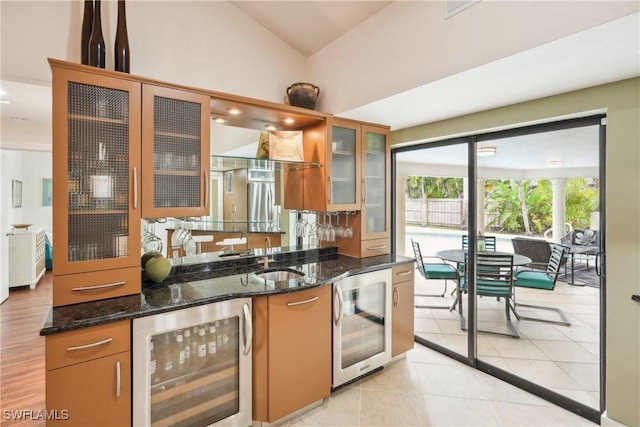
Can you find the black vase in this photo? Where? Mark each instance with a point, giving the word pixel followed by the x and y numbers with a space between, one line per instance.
pixel 87 22
pixel 121 49
pixel 97 48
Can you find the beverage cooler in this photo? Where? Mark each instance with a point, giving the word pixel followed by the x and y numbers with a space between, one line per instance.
pixel 361 325
pixel 192 367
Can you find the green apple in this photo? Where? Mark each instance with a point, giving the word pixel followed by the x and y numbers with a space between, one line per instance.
pixel 157 268
pixel 146 257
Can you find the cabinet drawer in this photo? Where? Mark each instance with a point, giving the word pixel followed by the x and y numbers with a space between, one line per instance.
pixel 78 346
pixel 403 272
pixel 375 247
pixel 83 287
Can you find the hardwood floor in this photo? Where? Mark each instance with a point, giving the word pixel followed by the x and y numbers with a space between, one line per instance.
pixel 22 356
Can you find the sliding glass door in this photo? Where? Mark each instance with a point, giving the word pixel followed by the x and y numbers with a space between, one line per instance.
pixel 536 196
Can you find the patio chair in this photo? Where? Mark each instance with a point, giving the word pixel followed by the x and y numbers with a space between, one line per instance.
pixel 494 278
pixel 433 271
pixel 489 242
pixel 545 280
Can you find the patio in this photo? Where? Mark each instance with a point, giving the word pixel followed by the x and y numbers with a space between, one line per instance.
pixel 564 359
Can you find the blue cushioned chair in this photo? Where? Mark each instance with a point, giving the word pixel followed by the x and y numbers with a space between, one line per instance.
pixel 545 280
pixel 433 271
pixel 494 278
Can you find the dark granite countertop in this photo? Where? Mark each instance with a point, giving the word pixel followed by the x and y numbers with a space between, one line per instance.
pixel 197 284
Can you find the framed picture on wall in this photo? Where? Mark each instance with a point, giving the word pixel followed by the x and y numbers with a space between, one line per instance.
pixel 16 192
pixel 47 192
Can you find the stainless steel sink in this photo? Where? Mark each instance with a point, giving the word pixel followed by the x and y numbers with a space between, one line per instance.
pixel 280 275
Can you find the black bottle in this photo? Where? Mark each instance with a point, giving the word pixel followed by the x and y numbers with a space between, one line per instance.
pixel 87 23
pixel 121 50
pixel 97 52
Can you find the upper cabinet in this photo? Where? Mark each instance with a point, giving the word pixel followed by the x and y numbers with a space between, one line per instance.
pixel 123 149
pixel 376 193
pixel 175 152
pixel 96 166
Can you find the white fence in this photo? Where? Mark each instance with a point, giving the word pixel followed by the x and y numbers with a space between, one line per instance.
pixel 438 212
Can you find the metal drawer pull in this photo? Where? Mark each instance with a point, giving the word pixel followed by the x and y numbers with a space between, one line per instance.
pixel 377 248
pixel 93 344
pixel 118 378
pixel 404 273
pixel 108 285
pixel 290 304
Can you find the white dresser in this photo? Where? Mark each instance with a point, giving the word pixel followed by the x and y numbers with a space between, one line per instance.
pixel 26 257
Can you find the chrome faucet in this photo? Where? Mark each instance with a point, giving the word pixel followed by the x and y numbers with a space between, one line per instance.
pixel 246 248
pixel 265 259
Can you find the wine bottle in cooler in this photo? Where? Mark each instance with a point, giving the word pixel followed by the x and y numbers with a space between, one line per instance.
pixel 212 344
pixel 178 354
pixel 188 363
pixel 202 347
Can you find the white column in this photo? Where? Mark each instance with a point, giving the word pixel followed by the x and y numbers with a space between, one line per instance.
pixel 558 187
pixel 480 204
pixel 400 215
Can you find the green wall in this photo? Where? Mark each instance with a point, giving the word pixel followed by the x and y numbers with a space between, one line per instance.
pixel 621 102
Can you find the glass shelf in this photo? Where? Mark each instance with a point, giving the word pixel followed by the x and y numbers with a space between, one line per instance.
pixel 225 163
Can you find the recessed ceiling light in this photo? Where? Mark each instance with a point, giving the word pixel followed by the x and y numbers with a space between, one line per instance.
pixel 289 120
pixel 554 163
pixel 486 151
pixel 234 111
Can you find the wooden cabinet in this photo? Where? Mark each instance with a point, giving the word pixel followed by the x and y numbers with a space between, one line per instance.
pixel 122 149
pixel 175 152
pixel 402 308
pixel 26 257
pixel 291 352
pixel 89 376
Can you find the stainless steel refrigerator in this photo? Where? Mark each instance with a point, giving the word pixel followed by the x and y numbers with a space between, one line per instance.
pixel 261 192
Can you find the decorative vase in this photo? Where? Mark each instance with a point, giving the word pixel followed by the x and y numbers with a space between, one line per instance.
pixel 97 52
pixel 303 95
pixel 87 23
pixel 121 50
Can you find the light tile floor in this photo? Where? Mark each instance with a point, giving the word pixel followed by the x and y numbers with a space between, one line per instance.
pixel 562 358
pixel 429 389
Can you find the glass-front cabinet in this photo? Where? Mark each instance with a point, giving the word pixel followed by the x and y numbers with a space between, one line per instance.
pixel 175 157
pixel 343 165
pixel 375 182
pixel 96 159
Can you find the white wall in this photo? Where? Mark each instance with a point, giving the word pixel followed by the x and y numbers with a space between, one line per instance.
pixel 10 168
pixel 409 44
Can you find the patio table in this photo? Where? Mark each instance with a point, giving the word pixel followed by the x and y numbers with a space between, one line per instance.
pixel 459 256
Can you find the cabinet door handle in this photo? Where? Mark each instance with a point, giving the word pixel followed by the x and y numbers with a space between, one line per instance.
pixel 291 304
pixel 248 329
pixel 135 188
pixel 377 248
pixel 403 273
pixel 90 345
pixel 396 297
pixel 330 189
pixel 337 313
pixel 206 191
pixel 118 378
pixel 107 285
pixel 364 190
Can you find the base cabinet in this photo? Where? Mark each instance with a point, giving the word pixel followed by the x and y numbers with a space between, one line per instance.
pixel 26 257
pixel 292 352
pixel 89 376
pixel 402 308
